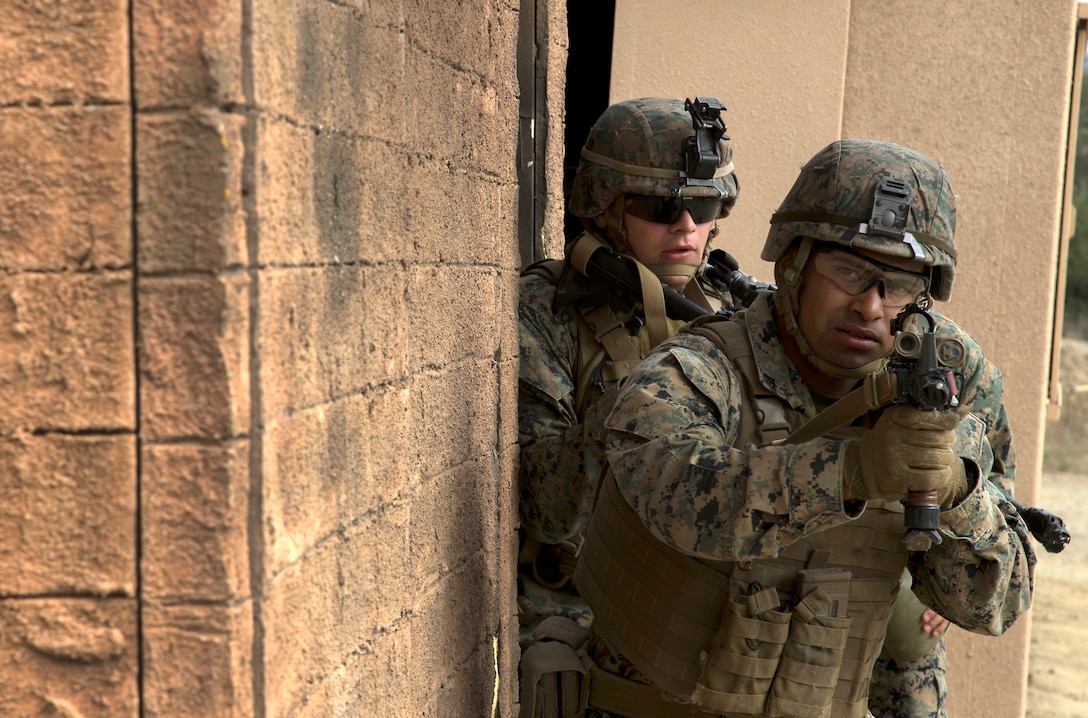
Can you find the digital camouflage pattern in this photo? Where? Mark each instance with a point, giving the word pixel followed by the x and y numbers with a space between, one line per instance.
pixel 561 457
pixel 671 446
pixel 560 461
pixel 834 194
pixel 647 135
pixel 910 689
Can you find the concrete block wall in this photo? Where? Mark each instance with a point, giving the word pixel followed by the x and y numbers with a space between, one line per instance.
pixel 69 639
pixel 383 202
pixel 258 275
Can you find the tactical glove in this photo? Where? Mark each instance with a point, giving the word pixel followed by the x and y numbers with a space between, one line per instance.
pixel 907 450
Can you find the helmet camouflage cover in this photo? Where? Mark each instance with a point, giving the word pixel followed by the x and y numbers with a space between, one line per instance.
pixel 833 199
pixel 637 147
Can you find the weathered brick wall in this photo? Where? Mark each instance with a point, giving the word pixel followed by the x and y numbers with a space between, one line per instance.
pixel 260 357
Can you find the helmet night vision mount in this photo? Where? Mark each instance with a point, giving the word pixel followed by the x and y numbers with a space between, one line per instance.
pixel 701 158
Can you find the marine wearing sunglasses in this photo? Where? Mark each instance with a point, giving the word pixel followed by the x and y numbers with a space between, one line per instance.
pixel 668 210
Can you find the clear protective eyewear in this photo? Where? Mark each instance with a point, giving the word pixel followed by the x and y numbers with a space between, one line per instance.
pixel 667 210
pixel 855 274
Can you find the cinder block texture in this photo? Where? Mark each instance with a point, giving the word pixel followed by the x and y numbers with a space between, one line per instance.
pixel 509 652
pixel 454 315
pixel 474 688
pixel 189 186
pixel 454 415
pixel 334 67
pixel 66 200
pixel 460 507
pixel 194 507
pixel 68 515
pixel 69 657
pixel 345 199
pixel 187 53
pixel 338 605
pixel 61 53
pixel 326 333
pixel 328 467
pixel 194 357
pixel 67 358
pixel 197 661
pixel 481 36
pixel 451 625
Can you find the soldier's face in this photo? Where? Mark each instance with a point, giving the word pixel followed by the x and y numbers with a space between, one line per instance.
pixel 849 330
pixel 679 242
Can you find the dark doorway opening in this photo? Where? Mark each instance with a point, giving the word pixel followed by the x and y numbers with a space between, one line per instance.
pixel 589 76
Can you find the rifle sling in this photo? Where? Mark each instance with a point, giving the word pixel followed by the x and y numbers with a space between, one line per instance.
pixel 653 297
pixel 877 390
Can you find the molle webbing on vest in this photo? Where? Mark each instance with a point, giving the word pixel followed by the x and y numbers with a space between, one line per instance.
pixel 661 607
pixel 870 548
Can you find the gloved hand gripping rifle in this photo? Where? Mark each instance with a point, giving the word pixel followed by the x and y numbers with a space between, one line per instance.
pixel 925 372
pixel 929 377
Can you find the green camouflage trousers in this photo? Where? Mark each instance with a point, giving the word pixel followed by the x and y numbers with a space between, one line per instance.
pixel 913 689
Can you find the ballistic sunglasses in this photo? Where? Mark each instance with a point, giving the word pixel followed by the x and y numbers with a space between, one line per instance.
pixel 667 210
pixel 855 274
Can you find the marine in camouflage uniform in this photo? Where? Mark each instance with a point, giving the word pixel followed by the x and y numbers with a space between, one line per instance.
pixel 705 502
pixel 636 149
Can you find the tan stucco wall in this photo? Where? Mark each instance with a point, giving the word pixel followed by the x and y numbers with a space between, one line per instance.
pixel 983 87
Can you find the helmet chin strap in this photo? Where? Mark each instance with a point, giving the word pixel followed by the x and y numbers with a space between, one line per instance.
pixel 788 299
pixel 673 270
pixel 614 229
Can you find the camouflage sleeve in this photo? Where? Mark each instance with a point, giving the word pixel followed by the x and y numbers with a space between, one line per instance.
pixel 983 393
pixel 559 468
pixel 980 576
pixel 671 448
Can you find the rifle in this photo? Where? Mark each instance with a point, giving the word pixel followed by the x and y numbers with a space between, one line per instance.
pixel 928 376
pixel 723 272
pixel 611 278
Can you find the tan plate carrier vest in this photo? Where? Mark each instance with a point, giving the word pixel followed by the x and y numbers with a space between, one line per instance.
pixel 794 636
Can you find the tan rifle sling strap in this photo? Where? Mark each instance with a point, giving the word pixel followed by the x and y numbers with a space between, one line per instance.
pixel 602 335
pixel 877 390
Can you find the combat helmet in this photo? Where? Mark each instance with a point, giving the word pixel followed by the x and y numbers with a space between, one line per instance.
pixel 877 196
pixel 652 146
pixel 871 195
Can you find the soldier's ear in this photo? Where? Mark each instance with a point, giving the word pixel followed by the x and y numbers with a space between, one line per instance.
pixel 600 220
